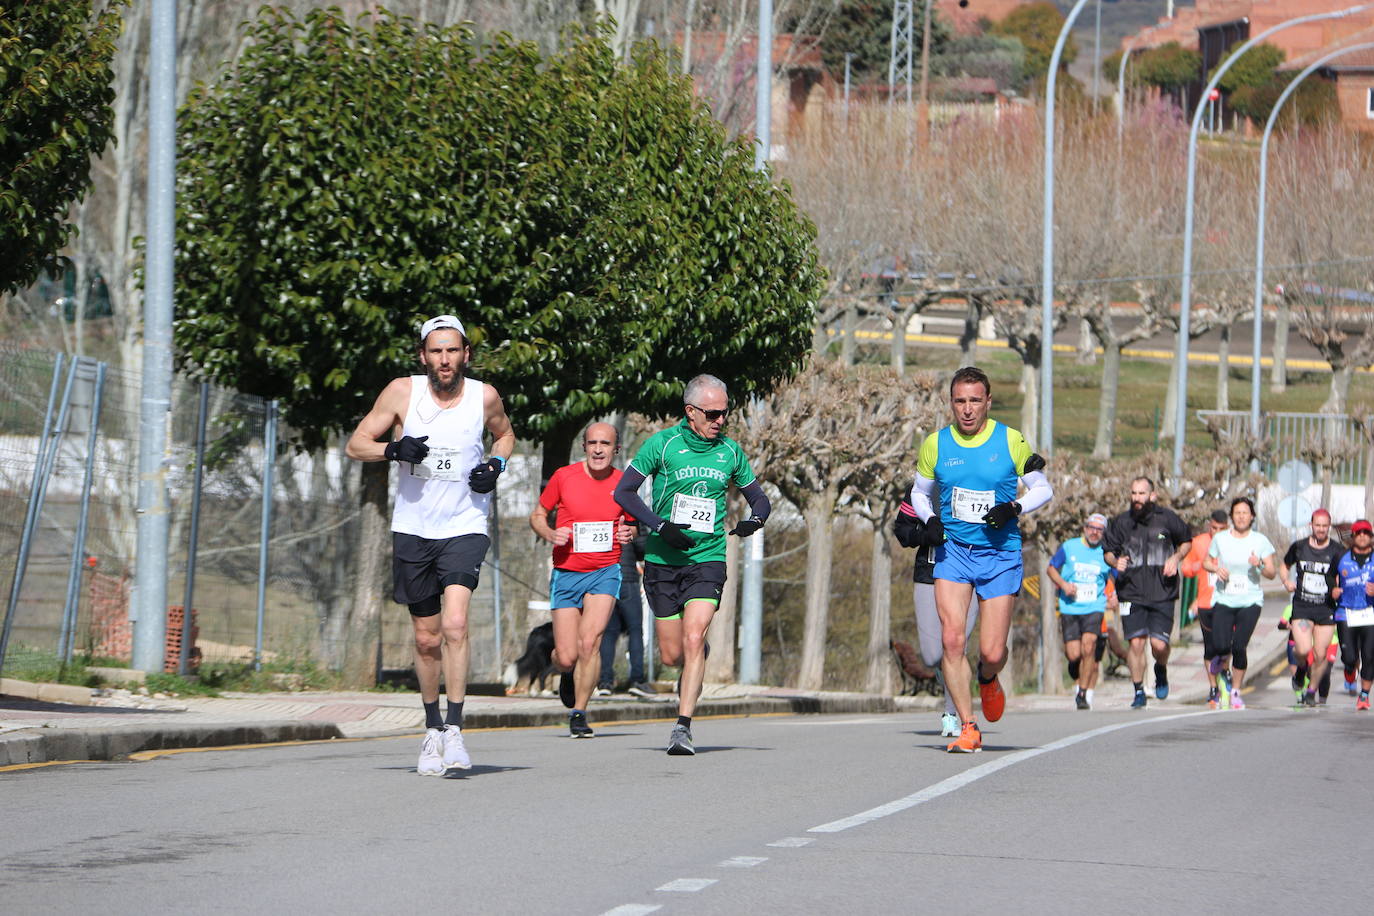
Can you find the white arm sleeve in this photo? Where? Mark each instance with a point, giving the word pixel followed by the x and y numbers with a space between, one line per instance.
pixel 1037 493
pixel 921 492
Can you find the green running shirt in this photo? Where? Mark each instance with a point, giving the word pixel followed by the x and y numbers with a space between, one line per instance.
pixel 691 477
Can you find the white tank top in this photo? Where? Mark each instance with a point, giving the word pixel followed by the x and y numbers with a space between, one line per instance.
pixel 435 507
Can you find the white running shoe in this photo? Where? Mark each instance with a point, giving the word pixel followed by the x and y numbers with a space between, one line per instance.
pixel 455 754
pixel 432 753
pixel 1088 695
pixel 949 725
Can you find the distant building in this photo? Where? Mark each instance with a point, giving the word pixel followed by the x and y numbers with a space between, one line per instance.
pixel 1213 26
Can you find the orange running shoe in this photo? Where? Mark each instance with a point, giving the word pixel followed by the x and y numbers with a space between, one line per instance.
pixel 994 700
pixel 1362 702
pixel 970 740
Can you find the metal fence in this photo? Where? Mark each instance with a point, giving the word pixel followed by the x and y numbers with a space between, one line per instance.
pixel 1298 435
pixel 265 585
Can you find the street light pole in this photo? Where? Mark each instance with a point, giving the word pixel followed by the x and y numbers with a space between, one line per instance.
pixel 1046 443
pixel 1186 282
pixel 1259 221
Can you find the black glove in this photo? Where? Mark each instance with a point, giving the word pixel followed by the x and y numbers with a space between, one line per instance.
pixel 1002 513
pixel 935 532
pixel 909 529
pixel 1033 463
pixel 407 448
pixel 747 526
pixel 674 536
pixel 483 477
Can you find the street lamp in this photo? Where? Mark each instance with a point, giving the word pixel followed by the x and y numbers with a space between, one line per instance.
pixel 1186 283
pixel 1121 94
pixel 1259 220
pixel 1046 443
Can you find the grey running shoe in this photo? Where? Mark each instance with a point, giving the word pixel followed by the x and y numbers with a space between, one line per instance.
pixel 431 753
pixel 643 689
pixel 680 742
pixel 566 689
pixel 578 727
pixel 455 753
pixel 602 690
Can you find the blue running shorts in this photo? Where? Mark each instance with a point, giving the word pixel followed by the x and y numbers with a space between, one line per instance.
pixel 566 589
pixel 992 572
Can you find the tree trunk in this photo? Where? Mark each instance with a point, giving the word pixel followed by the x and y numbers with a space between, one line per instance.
pixel 903 317
pixel 1051 647
pixel 968 338
pixel 1030 406
pixel 1166 423
pixel 558 446
pixel 1106 400
pixel 1278 375
pixel 1224 368
pixel 848 342
pixel 820 529
pixel 370 576
pixel 879 679
pixel 1340 391
pixel 720 667
pixel 1087 349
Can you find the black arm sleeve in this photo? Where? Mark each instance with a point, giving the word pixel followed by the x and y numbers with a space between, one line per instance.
pixel 627 496
pixel 758 500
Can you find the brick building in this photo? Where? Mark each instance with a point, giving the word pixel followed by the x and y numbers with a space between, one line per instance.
pixel 1213 26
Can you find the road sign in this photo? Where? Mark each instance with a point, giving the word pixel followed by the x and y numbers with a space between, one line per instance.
pixel 1214 95
pixel 1294 511
pixel 1295 476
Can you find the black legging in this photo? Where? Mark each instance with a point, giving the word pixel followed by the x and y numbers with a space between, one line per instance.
pixel 1232 628
pixel 1362 647
pixel 1350 656
pixel 1204 622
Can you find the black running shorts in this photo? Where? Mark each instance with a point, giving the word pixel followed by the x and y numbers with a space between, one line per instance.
pixel 671 587
pixel 422 568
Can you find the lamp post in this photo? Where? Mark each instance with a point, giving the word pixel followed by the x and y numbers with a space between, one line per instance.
pixel 1046 443
pixel 1121 94
pixel 1186 282
pixel 1259 220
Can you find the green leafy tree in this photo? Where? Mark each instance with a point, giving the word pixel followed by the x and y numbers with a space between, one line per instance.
pixel 1036 26
pixel 1255 68
pixel 997 57
pixel 864 28
pixel 589 221
pixel 55 94
pixel 1312 104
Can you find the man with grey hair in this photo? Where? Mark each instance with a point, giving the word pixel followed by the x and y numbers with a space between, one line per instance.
pixel 692 465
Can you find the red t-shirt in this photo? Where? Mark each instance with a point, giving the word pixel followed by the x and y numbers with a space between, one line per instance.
pixel 581 499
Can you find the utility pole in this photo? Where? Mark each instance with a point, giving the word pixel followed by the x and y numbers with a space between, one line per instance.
pixel 899 58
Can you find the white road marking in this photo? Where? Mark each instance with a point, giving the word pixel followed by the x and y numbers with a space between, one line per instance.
pixel 945 786
pixel 742 862
pixel 791 841
pixel 819 720
pixel 687 885
pixel 633 909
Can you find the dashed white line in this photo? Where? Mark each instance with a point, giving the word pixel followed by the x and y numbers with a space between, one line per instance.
pixel 945 786
pixel 742 862
pixel 793 841
pixel 687 885
pixel 633 909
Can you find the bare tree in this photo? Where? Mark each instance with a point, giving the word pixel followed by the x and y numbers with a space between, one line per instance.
pixel 818 439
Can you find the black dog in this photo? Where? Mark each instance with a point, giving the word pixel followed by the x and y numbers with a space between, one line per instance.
pixel 536 665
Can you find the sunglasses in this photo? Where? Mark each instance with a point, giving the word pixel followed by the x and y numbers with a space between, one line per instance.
pixel 1094 527
pixel 710 414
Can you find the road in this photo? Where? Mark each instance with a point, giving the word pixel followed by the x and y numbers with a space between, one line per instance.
pixel 1066 812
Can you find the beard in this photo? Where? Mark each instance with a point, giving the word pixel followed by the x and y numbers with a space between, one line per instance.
pixel 1142 513
pixel 442 387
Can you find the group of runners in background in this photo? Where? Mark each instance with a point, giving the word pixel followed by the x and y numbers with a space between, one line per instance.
pixel 974 479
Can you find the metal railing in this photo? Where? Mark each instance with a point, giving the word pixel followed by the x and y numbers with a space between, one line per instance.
pixel 1296 435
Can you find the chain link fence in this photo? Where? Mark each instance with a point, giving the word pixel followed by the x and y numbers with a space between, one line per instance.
pixel 68 495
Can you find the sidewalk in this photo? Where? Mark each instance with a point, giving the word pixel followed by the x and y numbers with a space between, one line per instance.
pixel 45 723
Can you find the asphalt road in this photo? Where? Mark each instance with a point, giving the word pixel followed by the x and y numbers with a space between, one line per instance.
pixel 1066 812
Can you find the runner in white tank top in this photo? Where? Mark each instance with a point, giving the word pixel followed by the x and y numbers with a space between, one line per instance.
pixel 439 524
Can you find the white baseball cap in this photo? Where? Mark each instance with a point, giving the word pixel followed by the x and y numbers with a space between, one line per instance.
pixel 441 321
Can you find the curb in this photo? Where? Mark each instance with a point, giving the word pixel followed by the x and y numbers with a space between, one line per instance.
pixel 117 743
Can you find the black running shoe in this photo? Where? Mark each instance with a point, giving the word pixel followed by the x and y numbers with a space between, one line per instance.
pixel 1080 700
pixel 566 690
pixel 1161 681
pixel 578 727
